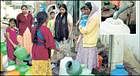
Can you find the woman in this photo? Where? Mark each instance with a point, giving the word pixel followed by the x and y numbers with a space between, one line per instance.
pixel 62 29
pixel 25 21
pixel 63 24
pixel 87 51
pixel 42 42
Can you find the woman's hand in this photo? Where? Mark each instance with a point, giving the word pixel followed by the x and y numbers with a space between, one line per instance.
pixel 14 45
pixel 5 35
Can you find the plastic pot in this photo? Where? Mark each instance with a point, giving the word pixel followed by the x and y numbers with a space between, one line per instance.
pixel 20 53
pixel 23 68
pixel 73 68
pixel 3 48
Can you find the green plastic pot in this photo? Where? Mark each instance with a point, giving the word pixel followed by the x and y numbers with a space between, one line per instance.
pixel 11 62
pixel 3 48
pixel 73 68
pixel 20 53
pixel 28 72
pixel 22 68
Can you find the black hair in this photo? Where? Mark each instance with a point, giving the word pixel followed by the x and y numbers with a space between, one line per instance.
pixel 64 6
pixel 24 6
pixel 88 5
pixel 82 8
pixel 15 21
pixel 41 18
pixel 52 12
pixel 100 53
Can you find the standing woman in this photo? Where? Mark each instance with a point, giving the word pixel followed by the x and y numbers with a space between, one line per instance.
pixel 62 28
pixel 63 24
pixel 25 20
pixel 42 41
pixel 87 50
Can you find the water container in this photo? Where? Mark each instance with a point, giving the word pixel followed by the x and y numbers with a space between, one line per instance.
pixel 22 68
pixel 20 53
pixel 119 70
pixel 3 48
pixel 4 61
pixel 73 67
pixel 62 70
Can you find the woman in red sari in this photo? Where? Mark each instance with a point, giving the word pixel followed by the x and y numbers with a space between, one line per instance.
pixel 25 21
pixel 42 42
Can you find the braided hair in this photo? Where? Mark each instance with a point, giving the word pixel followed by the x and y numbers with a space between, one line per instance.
pixel 41 18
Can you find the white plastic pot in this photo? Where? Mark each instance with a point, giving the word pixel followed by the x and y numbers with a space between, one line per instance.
pixel 5 61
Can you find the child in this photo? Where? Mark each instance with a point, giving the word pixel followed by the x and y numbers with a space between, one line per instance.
pixel 100 58
pixel 42 42
pixel 83 19
pixel 51 22
pixel 11 34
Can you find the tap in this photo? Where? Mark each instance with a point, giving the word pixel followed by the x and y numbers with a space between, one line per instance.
pixel 117 13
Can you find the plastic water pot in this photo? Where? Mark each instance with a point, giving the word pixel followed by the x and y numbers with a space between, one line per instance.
pixel 73 68
pixel 20 53
pixel 28 72
pixel 3 48
pixel 4 61
pixel 85 70
pixel 119 70
pixel 23 68
pixel 62 70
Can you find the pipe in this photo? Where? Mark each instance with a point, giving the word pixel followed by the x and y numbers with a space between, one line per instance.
pixel 117 13
pixel 111 37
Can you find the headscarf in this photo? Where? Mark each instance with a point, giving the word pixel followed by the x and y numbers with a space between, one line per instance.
pixel 95 8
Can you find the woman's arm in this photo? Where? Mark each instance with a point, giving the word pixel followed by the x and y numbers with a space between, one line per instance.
pixel 32 20
pixel 80 36
pixel 70 24
pixel 18 20
pixel 50 42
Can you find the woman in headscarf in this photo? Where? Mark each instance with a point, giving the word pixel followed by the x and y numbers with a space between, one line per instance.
pixel 87 51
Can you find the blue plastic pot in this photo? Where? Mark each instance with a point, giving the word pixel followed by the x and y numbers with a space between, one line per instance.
pixel 119 70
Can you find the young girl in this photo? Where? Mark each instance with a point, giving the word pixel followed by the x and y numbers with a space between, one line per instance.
pixel 11 34
pixel 42 42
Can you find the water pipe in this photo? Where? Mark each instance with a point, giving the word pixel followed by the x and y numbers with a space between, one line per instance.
pixel 117 13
